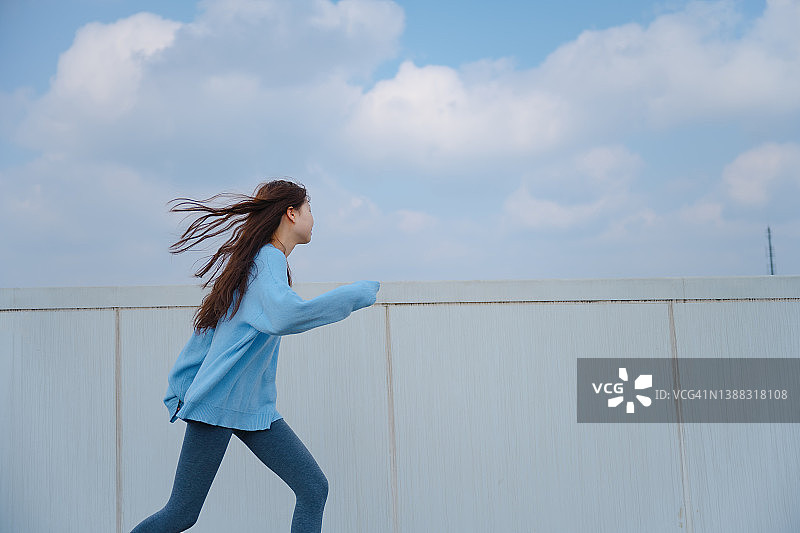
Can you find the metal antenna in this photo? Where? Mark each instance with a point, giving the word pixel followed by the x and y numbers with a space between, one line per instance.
pixel 771 264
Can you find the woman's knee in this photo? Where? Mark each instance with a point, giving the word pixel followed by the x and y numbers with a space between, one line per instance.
pixel 182 519
pixel 315 489
pixel 168 518
pixel 323 488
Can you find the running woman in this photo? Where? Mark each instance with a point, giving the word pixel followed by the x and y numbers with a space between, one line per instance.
pixel 223 381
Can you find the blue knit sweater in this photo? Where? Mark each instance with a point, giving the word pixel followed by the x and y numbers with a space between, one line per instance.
pixel 226 375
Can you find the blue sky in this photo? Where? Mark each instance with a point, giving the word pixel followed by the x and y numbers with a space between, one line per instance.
pixel 438 140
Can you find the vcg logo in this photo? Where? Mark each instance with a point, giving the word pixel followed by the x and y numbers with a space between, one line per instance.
pixel 644 381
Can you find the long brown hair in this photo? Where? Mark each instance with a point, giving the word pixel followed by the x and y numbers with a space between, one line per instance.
pixel 255 219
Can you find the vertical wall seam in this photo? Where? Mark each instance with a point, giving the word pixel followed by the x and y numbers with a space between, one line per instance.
pixel 676 383
pixel 118 417
pixel 392 435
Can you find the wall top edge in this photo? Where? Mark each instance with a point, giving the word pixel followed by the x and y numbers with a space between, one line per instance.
pixel 411 292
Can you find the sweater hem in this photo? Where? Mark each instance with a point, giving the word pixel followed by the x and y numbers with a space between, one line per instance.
pixel 218 416
pixel 173 403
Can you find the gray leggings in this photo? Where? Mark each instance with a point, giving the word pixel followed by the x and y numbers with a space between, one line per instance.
pixel 277 447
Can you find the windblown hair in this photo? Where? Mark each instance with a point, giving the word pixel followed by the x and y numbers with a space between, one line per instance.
pixel 255 218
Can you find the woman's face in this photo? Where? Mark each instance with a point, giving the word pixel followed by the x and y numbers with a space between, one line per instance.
pixel 303 223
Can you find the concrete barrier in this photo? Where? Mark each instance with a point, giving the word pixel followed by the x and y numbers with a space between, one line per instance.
pixel 446 406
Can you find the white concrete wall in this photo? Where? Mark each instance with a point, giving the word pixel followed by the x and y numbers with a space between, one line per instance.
pixel 446 407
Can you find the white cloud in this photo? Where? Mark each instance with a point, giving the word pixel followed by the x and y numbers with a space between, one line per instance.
pixel 99 77
pixel 432 113
pixel 622 228
pixel 609 166
pixel 64 199
pixel 145 109
pixel 98 82
pixel 356 214
pixel 702 212
pixel 699 63
pixel 360 17
pixel 250 76
pixel 702 61
pixel 244 75
pixel 536 213
pixel 588 190
pixel 69 223
pixel 751 176
pixel 410 221
pixel 288 43
pixel 342 212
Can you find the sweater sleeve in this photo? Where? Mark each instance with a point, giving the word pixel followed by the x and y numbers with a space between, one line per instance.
pixel 284 312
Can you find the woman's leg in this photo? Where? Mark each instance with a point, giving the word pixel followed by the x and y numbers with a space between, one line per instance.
pixel 204 446
pixel 282 451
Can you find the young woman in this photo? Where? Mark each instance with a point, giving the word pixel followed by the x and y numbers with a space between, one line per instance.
pixel 223 381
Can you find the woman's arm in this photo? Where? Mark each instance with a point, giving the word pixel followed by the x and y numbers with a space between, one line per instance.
pixel 283 312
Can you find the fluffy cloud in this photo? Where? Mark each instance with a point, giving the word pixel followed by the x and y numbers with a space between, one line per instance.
pixel 289 43
pixel 145 109
pixel 432 113
pixel 703 62
pixel 255 81
pixel 103 68
pixel 539 213
pixel 411 221
pixel 608 166
pixel 98 80
pixel 244 76
pixel 750 178
pixel 91 223
pixel 603 173
pixel 704 212
pixel 142 103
